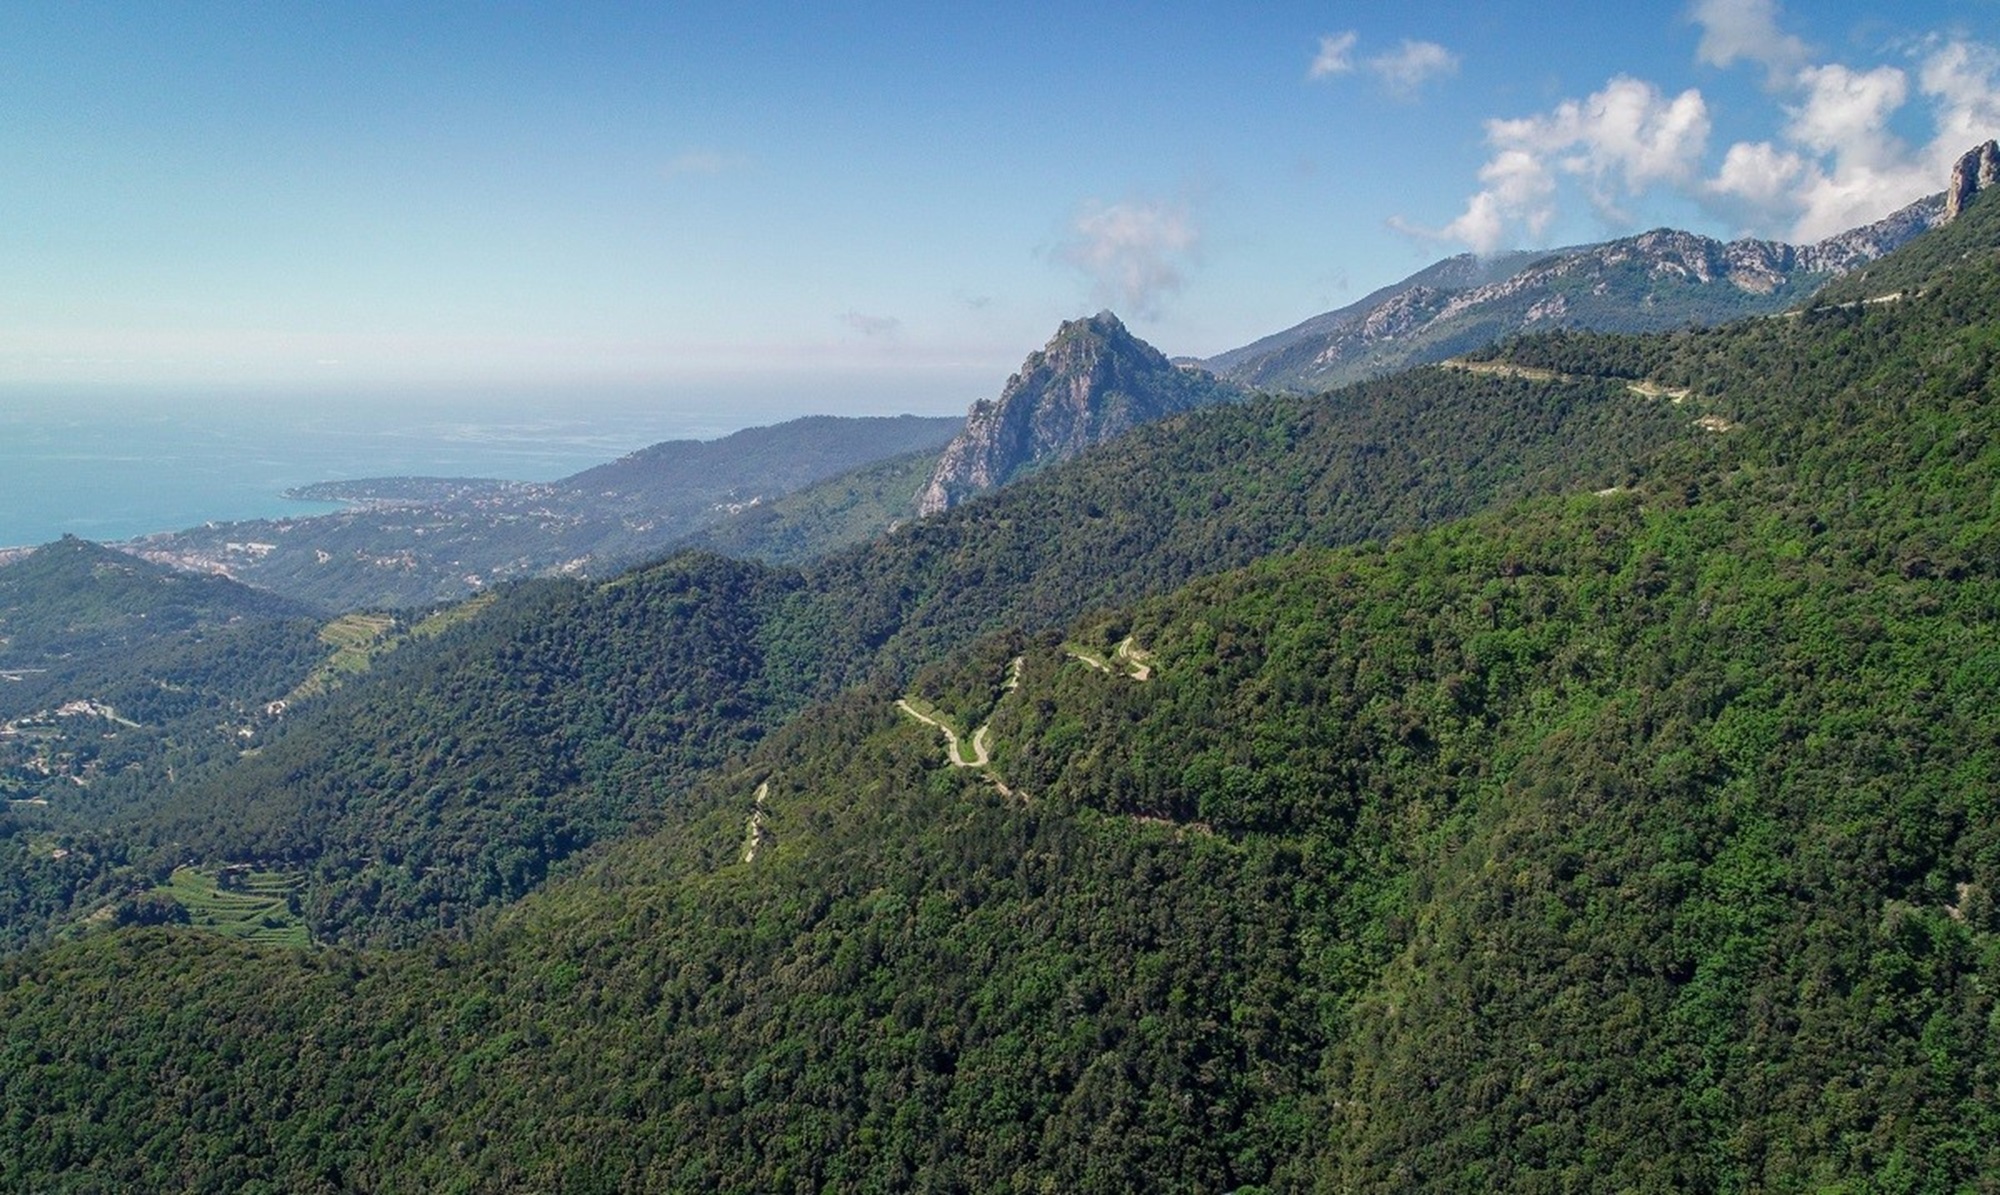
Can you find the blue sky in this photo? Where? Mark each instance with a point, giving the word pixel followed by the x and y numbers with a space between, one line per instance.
pixel 887 205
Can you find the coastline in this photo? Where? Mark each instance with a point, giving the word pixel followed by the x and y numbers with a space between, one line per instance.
pixel 143 464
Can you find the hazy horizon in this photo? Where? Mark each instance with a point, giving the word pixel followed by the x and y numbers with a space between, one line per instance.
pixel 113 463
pixel 328 199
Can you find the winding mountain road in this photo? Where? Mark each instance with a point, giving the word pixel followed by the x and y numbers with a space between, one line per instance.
pixel 954 749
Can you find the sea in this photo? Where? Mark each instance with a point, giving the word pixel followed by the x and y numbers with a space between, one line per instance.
pixel 115 465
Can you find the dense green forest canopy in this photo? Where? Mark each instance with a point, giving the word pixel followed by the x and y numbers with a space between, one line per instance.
pixel 571 710
pixel 853 508
pixel 1632 827
pixel 567 711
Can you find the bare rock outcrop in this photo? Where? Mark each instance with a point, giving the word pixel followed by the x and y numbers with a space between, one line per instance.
pixel 1092 381
pixel 1977 170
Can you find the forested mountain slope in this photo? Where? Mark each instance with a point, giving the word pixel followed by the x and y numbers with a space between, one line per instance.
pixel 73 597
pixel 1634 837
pixel 116 672
pixel 1927 260
pixel 452 777
pixel 573 711
pixel 109 664
pixel 825 517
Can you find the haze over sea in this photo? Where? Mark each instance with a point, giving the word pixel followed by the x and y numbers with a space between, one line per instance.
pixel 117 464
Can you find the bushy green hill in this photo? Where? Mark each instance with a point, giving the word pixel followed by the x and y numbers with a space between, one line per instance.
pixel 117 676
pixel 1967 241
pixel 1641 839
pixel 454 773
pixel 1225 486
pixel 73 597
pixel 455 776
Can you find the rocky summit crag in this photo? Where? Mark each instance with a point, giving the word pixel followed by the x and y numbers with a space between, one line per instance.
pixel 1976 170
pixel 1092 381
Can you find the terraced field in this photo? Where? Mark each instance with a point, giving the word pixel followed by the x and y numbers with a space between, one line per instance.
pixel 242 903
pixel 357 639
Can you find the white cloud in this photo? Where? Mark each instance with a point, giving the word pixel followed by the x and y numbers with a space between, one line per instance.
pixel 1843 119
pixel 1519 194
pixel 1619 142
pixel 1628 134
pixel 1960 76
pixel 1413 64
pixel 1335 55
pixel 1844 149
pixel 1748 30
pixel 1847 112
pixel 1847 166
pixel 871 325
pixel 1760 177
pixel 1402 70
pixel 1134 253
pixel 1780 192
pixel 1849 198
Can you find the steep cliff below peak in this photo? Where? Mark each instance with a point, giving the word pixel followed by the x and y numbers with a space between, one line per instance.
pixel 1977 170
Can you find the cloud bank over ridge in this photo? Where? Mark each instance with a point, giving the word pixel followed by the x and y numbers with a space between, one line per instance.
pixel 1835 160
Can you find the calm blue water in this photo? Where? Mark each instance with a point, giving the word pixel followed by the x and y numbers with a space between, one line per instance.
pixel 109 467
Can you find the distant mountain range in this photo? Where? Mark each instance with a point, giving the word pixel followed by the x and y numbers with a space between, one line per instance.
pixel 1095 380
pixel 1653 282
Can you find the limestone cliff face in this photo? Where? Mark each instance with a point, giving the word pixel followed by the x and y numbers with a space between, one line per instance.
pixel 1093 381
pixel 1977 170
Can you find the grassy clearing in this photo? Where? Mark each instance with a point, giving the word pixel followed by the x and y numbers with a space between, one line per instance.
pixel 1507 369
pixel 449 617
pixel 357 639
pixel 241 902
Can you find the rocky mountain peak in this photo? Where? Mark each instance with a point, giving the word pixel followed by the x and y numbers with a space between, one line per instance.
pixel 1092 381
pixel 1977 170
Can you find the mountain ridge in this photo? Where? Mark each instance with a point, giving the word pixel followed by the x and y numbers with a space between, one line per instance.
pixel 1652 281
